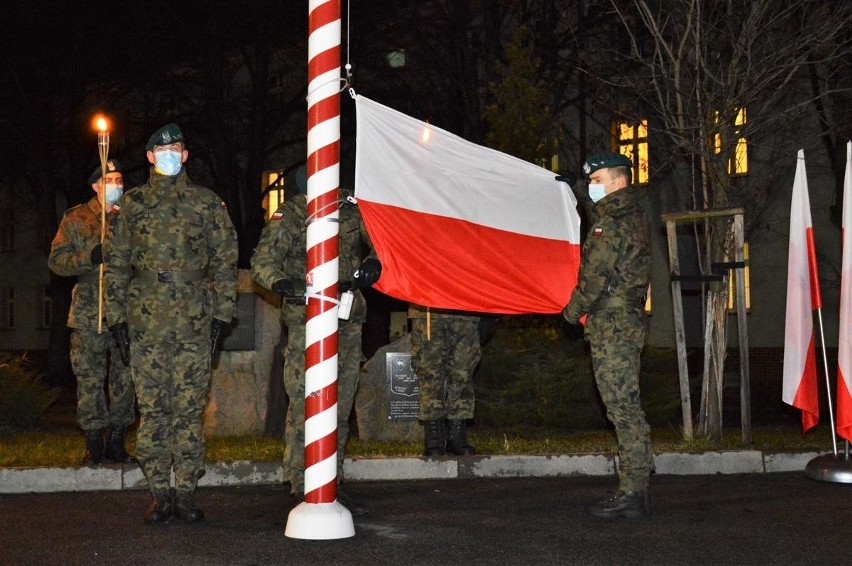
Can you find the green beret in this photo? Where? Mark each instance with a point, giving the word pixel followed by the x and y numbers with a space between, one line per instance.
pixel 167 135
pixel 112 166
pixel 605 161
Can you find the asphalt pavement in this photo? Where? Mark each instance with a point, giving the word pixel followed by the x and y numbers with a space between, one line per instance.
pixel 778 518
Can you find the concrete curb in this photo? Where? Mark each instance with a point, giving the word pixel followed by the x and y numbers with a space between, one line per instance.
pixel 118 477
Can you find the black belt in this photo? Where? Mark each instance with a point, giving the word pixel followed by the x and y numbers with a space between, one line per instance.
pixel 151 276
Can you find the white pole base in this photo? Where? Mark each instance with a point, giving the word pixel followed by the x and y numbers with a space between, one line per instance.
pixel 320 521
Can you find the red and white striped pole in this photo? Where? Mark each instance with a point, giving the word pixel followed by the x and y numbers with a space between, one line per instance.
pixel 321 516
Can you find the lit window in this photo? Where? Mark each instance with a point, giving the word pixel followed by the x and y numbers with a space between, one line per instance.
pixel 732 284
pixel 738 161
pixel 633 142
pixel 273 192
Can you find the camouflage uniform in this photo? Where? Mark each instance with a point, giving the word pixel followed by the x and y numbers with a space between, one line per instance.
pixel 172 258
pixel 444 362
pixel 93 355
pixel 614 274
pixel 281 254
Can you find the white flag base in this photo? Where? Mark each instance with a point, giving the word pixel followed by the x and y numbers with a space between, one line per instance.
pixel 830 467
pixel 320 521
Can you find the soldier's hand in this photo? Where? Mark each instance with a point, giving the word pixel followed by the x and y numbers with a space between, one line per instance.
pixel 368 273
pixel 122 339
pixel 569 178
pixel 291 290
pixel 97 255
pixel 573 330
pixel 216 328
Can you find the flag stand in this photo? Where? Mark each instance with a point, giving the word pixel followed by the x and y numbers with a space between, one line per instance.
pixel 829 467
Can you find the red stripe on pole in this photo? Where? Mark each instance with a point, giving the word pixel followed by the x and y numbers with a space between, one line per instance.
pixel 324 62
pixel 323 14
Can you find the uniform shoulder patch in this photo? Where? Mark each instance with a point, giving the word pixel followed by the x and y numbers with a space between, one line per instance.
pixel 277 215
pixel 598 231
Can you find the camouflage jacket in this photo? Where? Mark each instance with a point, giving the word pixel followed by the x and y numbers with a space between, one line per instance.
pixel 70 255
pixel 615 265
pixel 170 225
pixel 281 253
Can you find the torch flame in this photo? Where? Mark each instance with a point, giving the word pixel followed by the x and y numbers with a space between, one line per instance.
pixel 100 123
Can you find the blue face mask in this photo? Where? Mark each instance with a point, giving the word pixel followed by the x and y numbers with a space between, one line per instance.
pixel 113 193
pixel 597 191
pixel 167 162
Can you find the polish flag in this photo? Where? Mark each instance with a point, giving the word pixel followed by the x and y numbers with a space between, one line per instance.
pixel 799 387
pixel 460 226
pixel 844 351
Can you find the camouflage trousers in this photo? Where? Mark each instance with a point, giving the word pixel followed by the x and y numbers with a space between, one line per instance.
pixel 348 368
pixel 96 361
pixel 172 382
pixel 616 337
pixel 444 364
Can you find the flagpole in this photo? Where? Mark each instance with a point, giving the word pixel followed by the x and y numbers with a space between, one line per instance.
pixel 827 382
pixel 321 516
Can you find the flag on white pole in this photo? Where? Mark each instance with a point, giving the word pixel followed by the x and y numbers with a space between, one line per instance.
pixel 799 387
pixel 461 226
pixel 844 343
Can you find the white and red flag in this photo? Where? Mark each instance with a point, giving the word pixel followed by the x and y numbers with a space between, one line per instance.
pixel 799 387
pixel 844 342
pixel 461 226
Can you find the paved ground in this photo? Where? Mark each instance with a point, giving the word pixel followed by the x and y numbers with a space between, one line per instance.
pixel 781 518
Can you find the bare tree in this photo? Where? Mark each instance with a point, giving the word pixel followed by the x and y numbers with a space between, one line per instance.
pixel 710 76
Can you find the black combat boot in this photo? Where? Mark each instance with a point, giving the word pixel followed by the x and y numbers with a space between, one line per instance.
pixel 161 509
pixel 185 507
pixel 632 504
pixel 434 438
pixel 115 451
pixel 457 438
pixel 94 448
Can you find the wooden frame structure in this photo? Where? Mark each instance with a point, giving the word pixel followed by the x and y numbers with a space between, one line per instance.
pixel 738 265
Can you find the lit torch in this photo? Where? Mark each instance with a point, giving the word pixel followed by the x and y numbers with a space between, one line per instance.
pixel 101 124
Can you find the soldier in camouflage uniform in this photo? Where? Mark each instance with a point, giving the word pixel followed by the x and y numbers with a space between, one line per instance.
pixel 279 264
pixel 172 257
pixel 614 274
pixel 445 350
pixel 77 251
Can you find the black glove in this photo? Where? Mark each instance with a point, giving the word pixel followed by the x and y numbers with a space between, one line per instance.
pixel 122 340
pixel 569 178
pixel 368 273
pixel 216 327
pixel 97 255
pixel 573 330
pixel 291 290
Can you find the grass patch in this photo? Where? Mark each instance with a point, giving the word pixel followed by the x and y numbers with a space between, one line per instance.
pixel 65 448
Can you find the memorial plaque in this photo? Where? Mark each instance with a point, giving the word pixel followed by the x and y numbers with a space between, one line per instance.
pixel 403 391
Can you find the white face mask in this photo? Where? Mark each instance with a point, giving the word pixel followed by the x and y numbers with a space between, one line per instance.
pixel 113 193
pixel 597 191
